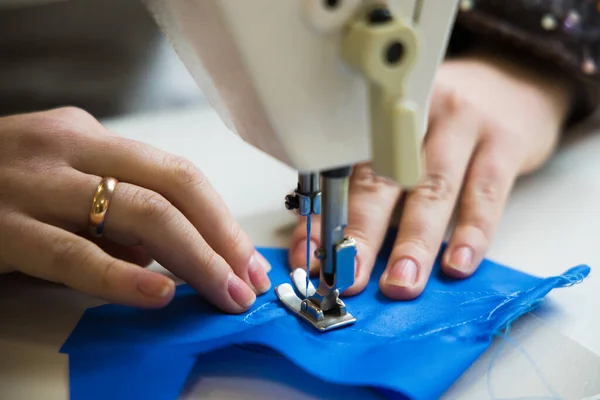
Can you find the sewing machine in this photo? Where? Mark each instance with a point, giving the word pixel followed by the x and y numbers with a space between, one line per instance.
pixel 321 85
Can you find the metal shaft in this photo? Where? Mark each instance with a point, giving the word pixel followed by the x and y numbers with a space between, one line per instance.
pixel 308 183
pixel 324 309
pixel 334 218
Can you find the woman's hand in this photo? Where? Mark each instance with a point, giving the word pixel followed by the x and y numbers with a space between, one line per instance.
pixel 490 122
pixel 163 208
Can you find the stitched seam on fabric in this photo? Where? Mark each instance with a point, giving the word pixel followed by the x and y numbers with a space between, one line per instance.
pixel 481 298
pixel 571 280
pixel 255 311
pixel 431 332
pixel 446 327
pixel 461 293
pixel 487 316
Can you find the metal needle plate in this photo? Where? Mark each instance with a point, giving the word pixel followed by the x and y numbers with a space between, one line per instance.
pixel 289 297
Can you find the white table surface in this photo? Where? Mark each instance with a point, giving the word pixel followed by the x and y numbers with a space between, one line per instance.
pixel 549 225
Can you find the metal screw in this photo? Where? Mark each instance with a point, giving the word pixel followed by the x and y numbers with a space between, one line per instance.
pixel 292 202
pixel 332 3
pixel 320 253
pixel 379 16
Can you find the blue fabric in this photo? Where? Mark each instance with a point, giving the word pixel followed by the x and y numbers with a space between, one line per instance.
pixel 415 349
pixel 275 370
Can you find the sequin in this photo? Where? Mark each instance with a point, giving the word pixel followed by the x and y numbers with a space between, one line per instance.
pixel 572 20
pixel 549 22
pixel 466 5
pixel 589 67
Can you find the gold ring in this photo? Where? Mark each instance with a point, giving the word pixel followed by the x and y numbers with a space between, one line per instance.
pixel 100 203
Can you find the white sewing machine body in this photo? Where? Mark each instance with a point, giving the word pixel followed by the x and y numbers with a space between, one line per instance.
pixel 321 85
pixel 274 72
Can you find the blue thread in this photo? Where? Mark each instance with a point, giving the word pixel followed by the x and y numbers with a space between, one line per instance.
pixel 308 229
pixel 505 338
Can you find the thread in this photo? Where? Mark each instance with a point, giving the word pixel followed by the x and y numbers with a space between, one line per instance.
pixel 308 229
pixel 553 395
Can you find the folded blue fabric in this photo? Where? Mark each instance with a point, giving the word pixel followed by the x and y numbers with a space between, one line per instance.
pixel 414 349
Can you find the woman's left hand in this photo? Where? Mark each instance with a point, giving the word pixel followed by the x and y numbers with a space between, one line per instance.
pixel 490 122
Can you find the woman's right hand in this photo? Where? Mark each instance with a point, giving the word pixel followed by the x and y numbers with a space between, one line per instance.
pixel 163 208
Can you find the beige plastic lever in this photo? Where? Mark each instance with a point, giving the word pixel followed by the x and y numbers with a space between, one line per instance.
pixel 384 50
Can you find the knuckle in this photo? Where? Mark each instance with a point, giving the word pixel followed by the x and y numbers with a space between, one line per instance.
pixel 43 133
pixel 31 143
pixel 141 151
pixel 453 102
pixel 64 121
pixel 5 214
pixel 154 206
pixel 236 240
pixel 488 187
pixel 150 204
pixel 64 253
pixel 486 191
pixel 435 188
pixel 184 172
pixel 418 242
pixel 366 180
pixel 71 113
pixel 209 259
pixel 7 227
pixel 106 282
pixel 68 123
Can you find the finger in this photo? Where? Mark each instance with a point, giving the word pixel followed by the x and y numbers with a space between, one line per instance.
pixel 371 203
pixel 180 182
pixel 140 217
pixel 137 215
pixel 132 254
pixel 428 208
pixel 53 254
pixel 488 184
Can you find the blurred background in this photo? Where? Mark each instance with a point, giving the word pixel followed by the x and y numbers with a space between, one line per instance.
pixel 105 56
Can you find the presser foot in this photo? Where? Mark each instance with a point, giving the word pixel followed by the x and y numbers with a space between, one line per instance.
pixel 309 311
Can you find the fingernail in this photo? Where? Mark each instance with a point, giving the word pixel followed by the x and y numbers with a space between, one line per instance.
pixel 154 285
pixel 403 273
pixel 263 261
pixel 461 259
pixel 240 292
pixel 258 275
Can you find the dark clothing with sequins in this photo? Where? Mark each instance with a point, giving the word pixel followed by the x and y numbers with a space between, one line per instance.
pixel 556 34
